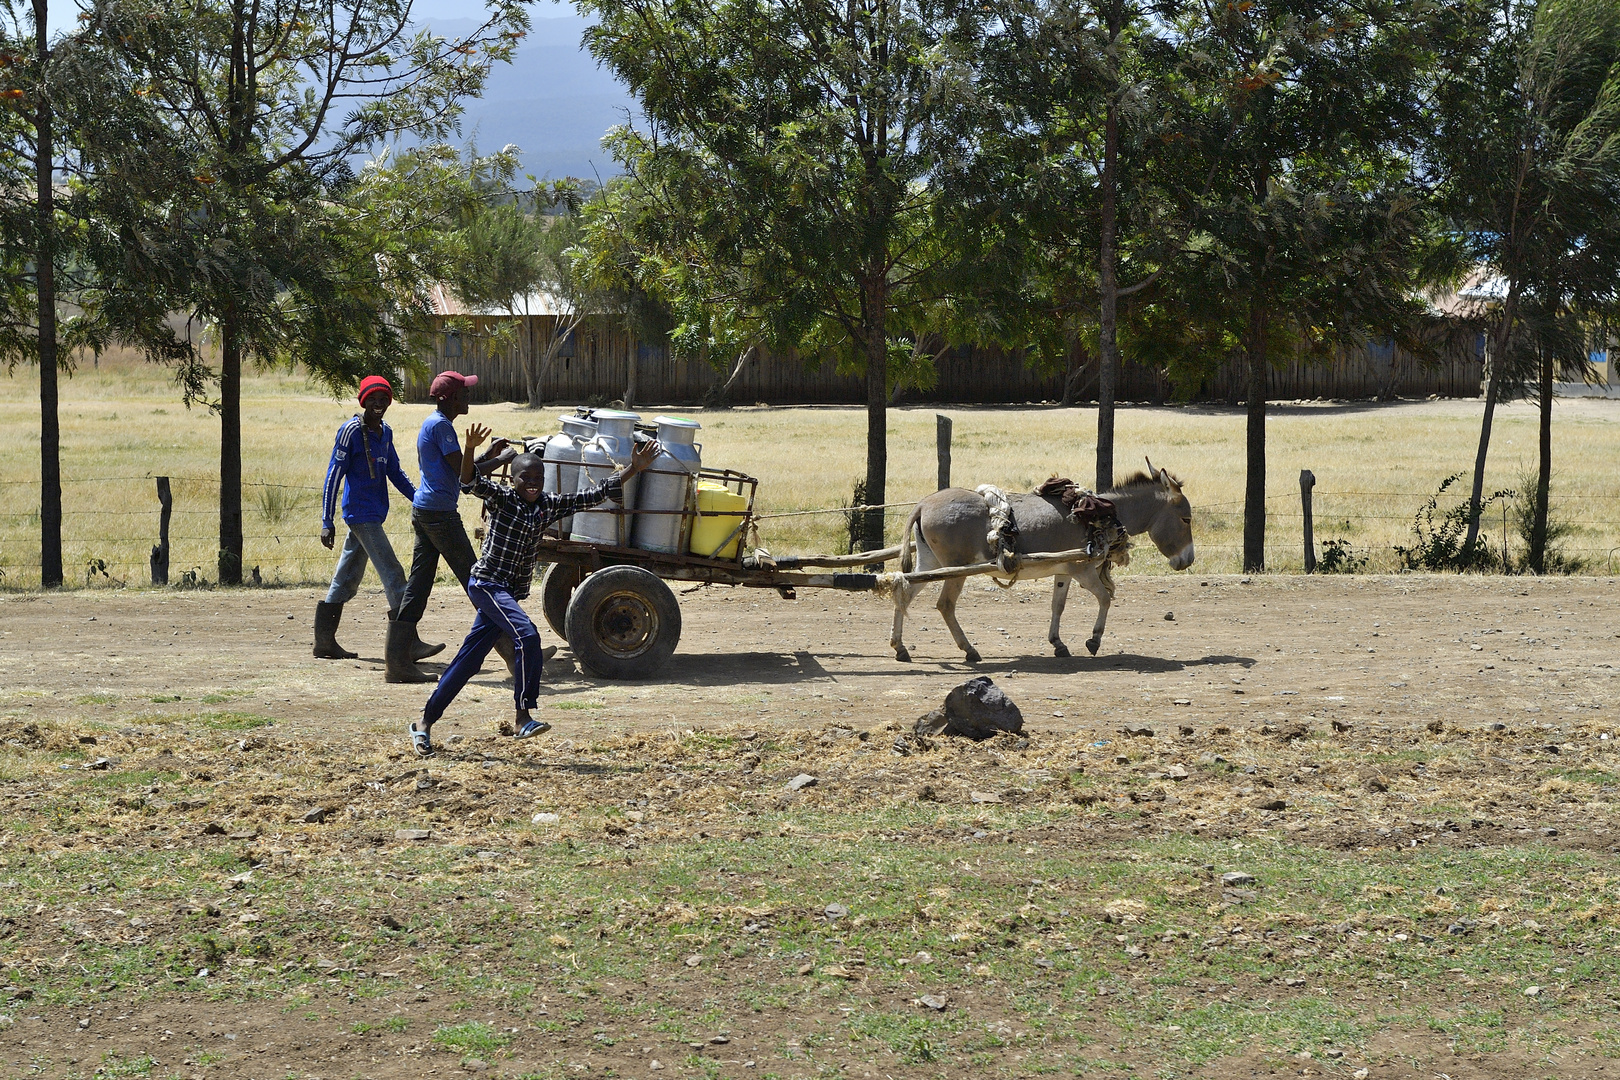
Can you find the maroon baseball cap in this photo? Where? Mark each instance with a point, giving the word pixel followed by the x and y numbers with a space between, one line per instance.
pixel 370 383
pixel 446 383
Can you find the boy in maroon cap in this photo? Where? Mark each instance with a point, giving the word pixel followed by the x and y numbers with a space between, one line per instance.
pixel 437 524
pixel 363 464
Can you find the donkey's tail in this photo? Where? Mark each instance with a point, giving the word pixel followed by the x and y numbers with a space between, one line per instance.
pixel 907 545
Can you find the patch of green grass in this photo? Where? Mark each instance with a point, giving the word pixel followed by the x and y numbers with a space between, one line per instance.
pixel 474 1038
pixel 918 1039
pixel 96 699
pixel 1600 777
pixel 112 1065
pixel 582 705
pixel 396 1024
pixel 230 721
pixel 159 699
pixel 220 697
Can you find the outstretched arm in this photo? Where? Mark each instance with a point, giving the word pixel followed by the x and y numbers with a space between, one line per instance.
pixel 641 459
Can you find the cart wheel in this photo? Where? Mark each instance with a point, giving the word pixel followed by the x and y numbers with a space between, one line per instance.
pixel 623 623
pixel 556 589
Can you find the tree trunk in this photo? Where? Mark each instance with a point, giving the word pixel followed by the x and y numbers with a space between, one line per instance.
pixel 720 394
pixel 1075 370
pixel 230 451
pixel 533 365
pixel 1254 492
pixel 1493 387
pixel 874 315
pixel 50 445
pixel 1538 527
pixel 1108 286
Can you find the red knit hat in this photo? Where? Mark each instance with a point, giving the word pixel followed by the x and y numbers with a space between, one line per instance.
pixel 373 382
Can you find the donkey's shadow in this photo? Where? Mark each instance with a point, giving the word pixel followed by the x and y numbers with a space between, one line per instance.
pixel 1071 665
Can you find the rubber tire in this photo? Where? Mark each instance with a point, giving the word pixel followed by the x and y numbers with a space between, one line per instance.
pixel 556 589
pixel 633 605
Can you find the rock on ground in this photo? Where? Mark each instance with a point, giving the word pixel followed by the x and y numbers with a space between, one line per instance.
pixel 978 709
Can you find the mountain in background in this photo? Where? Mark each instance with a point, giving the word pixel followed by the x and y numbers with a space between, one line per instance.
pixel 552 100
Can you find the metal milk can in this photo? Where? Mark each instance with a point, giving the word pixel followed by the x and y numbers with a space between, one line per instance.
pixel 560 455
pixel 600 457
pixel 667 486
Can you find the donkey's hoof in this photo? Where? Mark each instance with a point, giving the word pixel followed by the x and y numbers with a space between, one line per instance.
pixel 972 656
pixel 1060 649
pixel 1091 645
pixel 903 655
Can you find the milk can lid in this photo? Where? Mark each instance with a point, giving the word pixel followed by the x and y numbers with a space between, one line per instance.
pixel 616 414
pixel 676 422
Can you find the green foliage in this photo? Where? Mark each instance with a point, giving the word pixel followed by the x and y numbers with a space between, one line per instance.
pixel 1522 520
pixel 783 183
pixel 1338 557
pixel 217 141
pixel 1440 544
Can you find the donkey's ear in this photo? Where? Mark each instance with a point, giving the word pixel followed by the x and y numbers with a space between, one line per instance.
pixel 1151 470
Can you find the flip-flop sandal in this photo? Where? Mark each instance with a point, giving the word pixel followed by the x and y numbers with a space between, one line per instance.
pixel 533 728
pixel 421 741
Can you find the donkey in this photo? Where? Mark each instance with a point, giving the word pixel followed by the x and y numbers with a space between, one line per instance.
pixel 952 528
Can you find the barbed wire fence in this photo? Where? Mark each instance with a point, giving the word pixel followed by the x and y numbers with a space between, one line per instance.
pixel 105 553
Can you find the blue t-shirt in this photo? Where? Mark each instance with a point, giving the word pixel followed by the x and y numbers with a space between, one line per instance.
pixel 441 485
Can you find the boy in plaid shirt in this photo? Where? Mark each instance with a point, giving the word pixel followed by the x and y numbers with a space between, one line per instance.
pixel 518 513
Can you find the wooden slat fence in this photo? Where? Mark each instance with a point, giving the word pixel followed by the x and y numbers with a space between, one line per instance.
pixel 597 369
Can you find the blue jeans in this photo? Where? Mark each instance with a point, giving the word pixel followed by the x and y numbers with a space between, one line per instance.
pixel 498 614
pixel 367 541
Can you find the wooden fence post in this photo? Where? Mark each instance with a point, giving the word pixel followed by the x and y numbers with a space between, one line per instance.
pixel 1307 480
pixel 942 436
pixel 160 553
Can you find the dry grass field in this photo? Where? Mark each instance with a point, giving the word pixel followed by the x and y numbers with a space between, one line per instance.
pixel 1374 464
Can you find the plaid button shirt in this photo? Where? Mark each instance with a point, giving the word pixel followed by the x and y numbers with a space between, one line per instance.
pixel 513 530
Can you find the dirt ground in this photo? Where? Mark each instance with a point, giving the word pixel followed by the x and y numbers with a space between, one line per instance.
pixel 1503 675
pixel 1191 649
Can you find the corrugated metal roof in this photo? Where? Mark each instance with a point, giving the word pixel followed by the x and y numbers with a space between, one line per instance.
pixel 445 302
pixel 1479 292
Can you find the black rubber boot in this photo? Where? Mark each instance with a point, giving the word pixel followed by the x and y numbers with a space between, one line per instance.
pixel 398 666
pixel 420 650
pixel 327 617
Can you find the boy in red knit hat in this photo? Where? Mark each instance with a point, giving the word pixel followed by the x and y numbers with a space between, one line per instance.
pixel 363 464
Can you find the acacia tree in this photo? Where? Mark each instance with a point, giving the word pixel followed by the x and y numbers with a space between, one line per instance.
pixel 1311 229
pixel 34 74
pixel 225 155
pixel 1526 160
pixel 795 143
pixel 510 251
